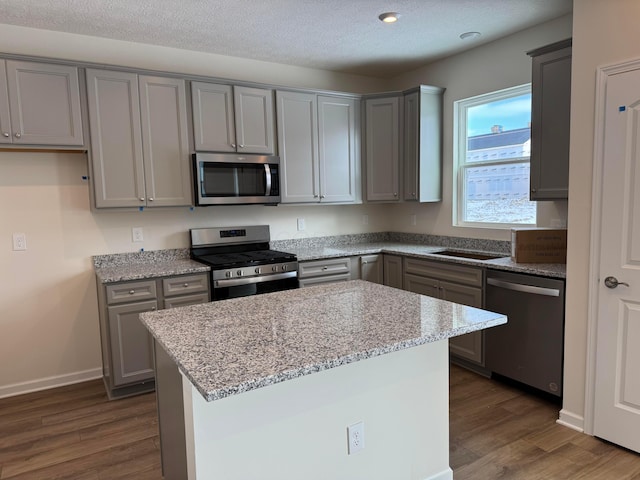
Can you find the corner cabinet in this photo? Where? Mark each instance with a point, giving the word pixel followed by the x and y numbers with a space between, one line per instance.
pixel 382 140
pixel 550 121
pixel 229 118
pixel 139 140
pixel 317 142
pixel 127 345
pixel 39 104
pixel 422 156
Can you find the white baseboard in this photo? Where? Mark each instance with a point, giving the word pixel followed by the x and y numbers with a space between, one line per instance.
pixel 49 382
pixel 444 475
pixel 571 420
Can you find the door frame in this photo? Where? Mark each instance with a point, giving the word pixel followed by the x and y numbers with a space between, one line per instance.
pixel 602 76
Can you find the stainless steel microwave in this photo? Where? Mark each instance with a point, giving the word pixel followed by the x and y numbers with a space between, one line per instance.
pixel 234 179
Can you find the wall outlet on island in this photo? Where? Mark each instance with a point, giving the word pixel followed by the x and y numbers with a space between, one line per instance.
pixel 355 436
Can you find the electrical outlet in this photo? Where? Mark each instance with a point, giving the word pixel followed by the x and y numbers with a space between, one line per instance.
pixel 355 436
pixel 136 234
pixel 365 219
pixel 412 218
pixel 19 241
pixel 301 224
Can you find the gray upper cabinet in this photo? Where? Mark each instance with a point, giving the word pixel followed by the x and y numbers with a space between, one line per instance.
pixel 382 133
pixel 317 145
pixel 550 121
pixel 230 118
pixel 423 145
pixel 139 140
pixel 39 104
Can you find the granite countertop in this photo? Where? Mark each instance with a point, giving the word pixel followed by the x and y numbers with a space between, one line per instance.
pixel 428 252
pixel 142 265
pixel 284 335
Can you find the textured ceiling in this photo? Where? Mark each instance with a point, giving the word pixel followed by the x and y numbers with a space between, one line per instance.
pixel 340 35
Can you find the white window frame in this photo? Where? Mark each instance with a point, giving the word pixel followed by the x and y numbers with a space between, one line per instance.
pixel 460 108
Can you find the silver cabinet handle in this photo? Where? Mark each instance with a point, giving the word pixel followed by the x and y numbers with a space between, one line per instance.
pixel 5 134
pixel 518 287
pixel 142 199
pixel 241 146
pixel 131 292
pixel 18 135
pixel 612 282
pixel 151 199
pixel 233 145
pixel 186 285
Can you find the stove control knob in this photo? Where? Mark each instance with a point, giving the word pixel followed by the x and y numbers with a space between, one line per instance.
pixel 239 273
pixel 228 274
pixel 284 268
pixel 274 268
pixel 258 271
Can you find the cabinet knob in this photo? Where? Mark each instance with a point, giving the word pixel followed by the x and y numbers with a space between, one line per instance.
pixel 533 190
pixel 364 262
pixel 186 285
pixel 321 196
pixel 241 146
pixel 315 196
pixel 151 199
pixel 395 194
pixel 153 308
pixel 5 134
pixel 142 199
pixel 233 145
pixel 131 292
pixel 413 194
pixel 325 268
pixel 18 135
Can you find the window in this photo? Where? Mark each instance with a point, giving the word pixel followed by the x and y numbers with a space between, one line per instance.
pixel 492 144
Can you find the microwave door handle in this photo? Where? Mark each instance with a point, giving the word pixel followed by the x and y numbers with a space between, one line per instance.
pixel 267 179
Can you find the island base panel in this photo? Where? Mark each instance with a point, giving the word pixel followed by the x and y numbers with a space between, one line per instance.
pixel 298 428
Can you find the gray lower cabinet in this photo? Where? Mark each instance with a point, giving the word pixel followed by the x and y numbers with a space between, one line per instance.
pixel 372 268
pixel 330 270
pixel 456 283
pixel 139 140
pixel 317 142
pixel 127 346
pixel 550 121
pixel 392 270
pixel 229 118
pixel 39 104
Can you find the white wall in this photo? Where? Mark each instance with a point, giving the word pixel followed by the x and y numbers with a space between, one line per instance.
pixel 604 33
pixel 49 321
pixel 487 68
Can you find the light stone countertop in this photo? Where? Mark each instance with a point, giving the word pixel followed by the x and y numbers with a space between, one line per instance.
pixel 237 345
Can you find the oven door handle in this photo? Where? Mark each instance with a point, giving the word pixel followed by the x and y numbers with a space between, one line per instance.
pixel 234 282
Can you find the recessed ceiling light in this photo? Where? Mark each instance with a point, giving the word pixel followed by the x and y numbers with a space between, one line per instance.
pixel 469 35
pixel 389 17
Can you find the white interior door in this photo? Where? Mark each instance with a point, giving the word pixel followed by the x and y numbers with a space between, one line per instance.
pixel 617 362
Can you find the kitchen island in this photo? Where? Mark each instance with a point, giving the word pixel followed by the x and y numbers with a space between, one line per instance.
pixel 266 386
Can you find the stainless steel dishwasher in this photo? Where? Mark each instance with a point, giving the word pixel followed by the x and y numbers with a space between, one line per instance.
pixel 529 348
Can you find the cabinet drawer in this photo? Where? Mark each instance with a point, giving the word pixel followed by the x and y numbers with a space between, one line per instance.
pixel 318 268
pixel 131 292
pixel 185 284
pixel 185 300
pixel 307 282
pixel 444 271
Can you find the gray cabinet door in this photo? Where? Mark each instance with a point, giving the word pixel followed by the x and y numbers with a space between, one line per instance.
pixel 213 118
pixel 382 148
pixel 167 171
pixel 422 156
pixel 371 268
pixel 131 343
pixel 550 123
pixel 44 102
pixel 337 149
pixel 422 285
pixel 467 346
pixel 298 147
pixel 392 270
pixel 254 117
pixel 116 139
pixel 5 119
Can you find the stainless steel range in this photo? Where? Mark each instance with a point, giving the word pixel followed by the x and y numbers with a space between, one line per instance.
pixel 241 262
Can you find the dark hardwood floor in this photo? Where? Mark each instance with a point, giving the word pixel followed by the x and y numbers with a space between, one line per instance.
pixel 497 432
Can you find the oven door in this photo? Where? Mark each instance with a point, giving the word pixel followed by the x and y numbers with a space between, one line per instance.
pixel 242 287
pixel 236 179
